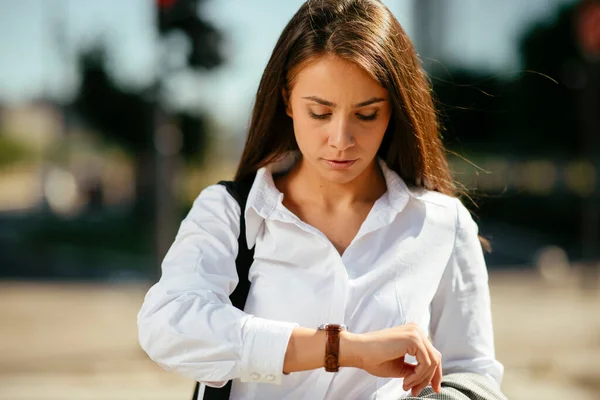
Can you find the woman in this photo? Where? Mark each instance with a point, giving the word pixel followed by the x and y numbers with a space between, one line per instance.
pixel 353 217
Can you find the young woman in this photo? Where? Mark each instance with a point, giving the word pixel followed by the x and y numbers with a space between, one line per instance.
pixel 354 219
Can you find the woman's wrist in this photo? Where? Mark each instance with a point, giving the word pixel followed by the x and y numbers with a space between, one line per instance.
pixel 351 349
pixel 306 350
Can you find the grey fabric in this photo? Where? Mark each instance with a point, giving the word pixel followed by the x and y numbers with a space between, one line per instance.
pixel 463 386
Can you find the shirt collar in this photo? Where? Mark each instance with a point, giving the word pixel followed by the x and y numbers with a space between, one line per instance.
pixel 264 195
pixel 397 193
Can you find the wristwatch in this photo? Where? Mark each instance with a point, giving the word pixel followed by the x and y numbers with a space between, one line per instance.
pixel 332 345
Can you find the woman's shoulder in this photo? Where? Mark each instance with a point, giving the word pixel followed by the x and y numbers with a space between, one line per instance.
pixel 451 208
pixel 214 201
pixel 433 197
pixel 216 191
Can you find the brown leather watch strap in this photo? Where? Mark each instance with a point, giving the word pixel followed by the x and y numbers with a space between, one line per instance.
pixel 332 346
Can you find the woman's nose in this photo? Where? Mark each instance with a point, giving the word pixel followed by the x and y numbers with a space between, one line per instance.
pixel 341 138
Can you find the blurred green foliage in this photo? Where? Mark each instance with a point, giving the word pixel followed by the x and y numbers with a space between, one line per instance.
pixel 12 151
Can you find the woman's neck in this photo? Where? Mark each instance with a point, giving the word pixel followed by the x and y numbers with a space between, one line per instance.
pixel 307 184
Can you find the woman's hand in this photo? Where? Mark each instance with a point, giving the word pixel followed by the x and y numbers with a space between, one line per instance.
pixel 381 353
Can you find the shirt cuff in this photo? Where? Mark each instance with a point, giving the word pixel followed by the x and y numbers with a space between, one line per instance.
pixel 263 351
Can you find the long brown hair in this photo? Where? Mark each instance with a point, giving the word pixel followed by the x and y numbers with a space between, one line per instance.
pixel 366 33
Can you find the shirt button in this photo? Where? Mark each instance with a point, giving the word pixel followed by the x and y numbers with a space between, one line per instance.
pixel 270 378
pixel 255 376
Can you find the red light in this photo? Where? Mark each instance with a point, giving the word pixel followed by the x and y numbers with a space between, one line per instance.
pixel 165 3
pixel 589 28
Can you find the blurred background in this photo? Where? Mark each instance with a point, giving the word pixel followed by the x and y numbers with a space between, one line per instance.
pixel 115 114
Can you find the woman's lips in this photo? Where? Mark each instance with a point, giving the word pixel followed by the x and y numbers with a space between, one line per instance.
pixel 340 164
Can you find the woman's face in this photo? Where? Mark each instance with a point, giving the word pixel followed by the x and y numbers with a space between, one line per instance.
pixel 340 116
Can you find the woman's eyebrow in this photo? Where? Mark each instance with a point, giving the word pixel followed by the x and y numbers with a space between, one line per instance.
pixel 320 101
pixel 328 103
pixel 372 100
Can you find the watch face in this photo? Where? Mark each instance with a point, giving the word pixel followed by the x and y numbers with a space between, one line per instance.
pixel 324 327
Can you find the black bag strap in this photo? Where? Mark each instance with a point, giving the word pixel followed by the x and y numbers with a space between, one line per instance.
pixel 239 191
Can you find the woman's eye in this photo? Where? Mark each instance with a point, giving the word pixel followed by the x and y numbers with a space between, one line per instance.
pixel 318 116
pixel 370 117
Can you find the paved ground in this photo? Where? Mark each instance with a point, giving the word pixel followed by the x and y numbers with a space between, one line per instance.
pixel 78 342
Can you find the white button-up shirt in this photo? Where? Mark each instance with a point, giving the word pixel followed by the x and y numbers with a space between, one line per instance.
pixel 416 258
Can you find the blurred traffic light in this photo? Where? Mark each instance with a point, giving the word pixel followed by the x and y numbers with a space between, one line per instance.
pixel 183 16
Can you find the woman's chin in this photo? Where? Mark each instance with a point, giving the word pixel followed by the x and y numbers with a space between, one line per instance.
pixel 339 176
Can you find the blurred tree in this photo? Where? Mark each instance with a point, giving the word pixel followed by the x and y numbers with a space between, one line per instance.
pixel 120 116
pixel 538 110
pixel 537 115
pixel 545 95
pixel 130 117
pixel 472 110
pixel 141 122
pixel 562 117
pixel 12 151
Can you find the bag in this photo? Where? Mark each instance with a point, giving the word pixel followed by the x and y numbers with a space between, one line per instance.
pixel 463 386
pixel 239 191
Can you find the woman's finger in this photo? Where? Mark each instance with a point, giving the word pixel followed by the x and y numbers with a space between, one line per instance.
pixel 436 382
pixel 424 363
pixel 425 374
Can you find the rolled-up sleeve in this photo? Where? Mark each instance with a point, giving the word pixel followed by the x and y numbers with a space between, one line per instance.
pixel 461 323
pixel 187 323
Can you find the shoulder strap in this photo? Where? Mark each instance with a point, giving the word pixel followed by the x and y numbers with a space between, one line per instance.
pixel 239 191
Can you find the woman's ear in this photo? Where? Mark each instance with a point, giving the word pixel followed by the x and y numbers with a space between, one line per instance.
pixel 286 102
